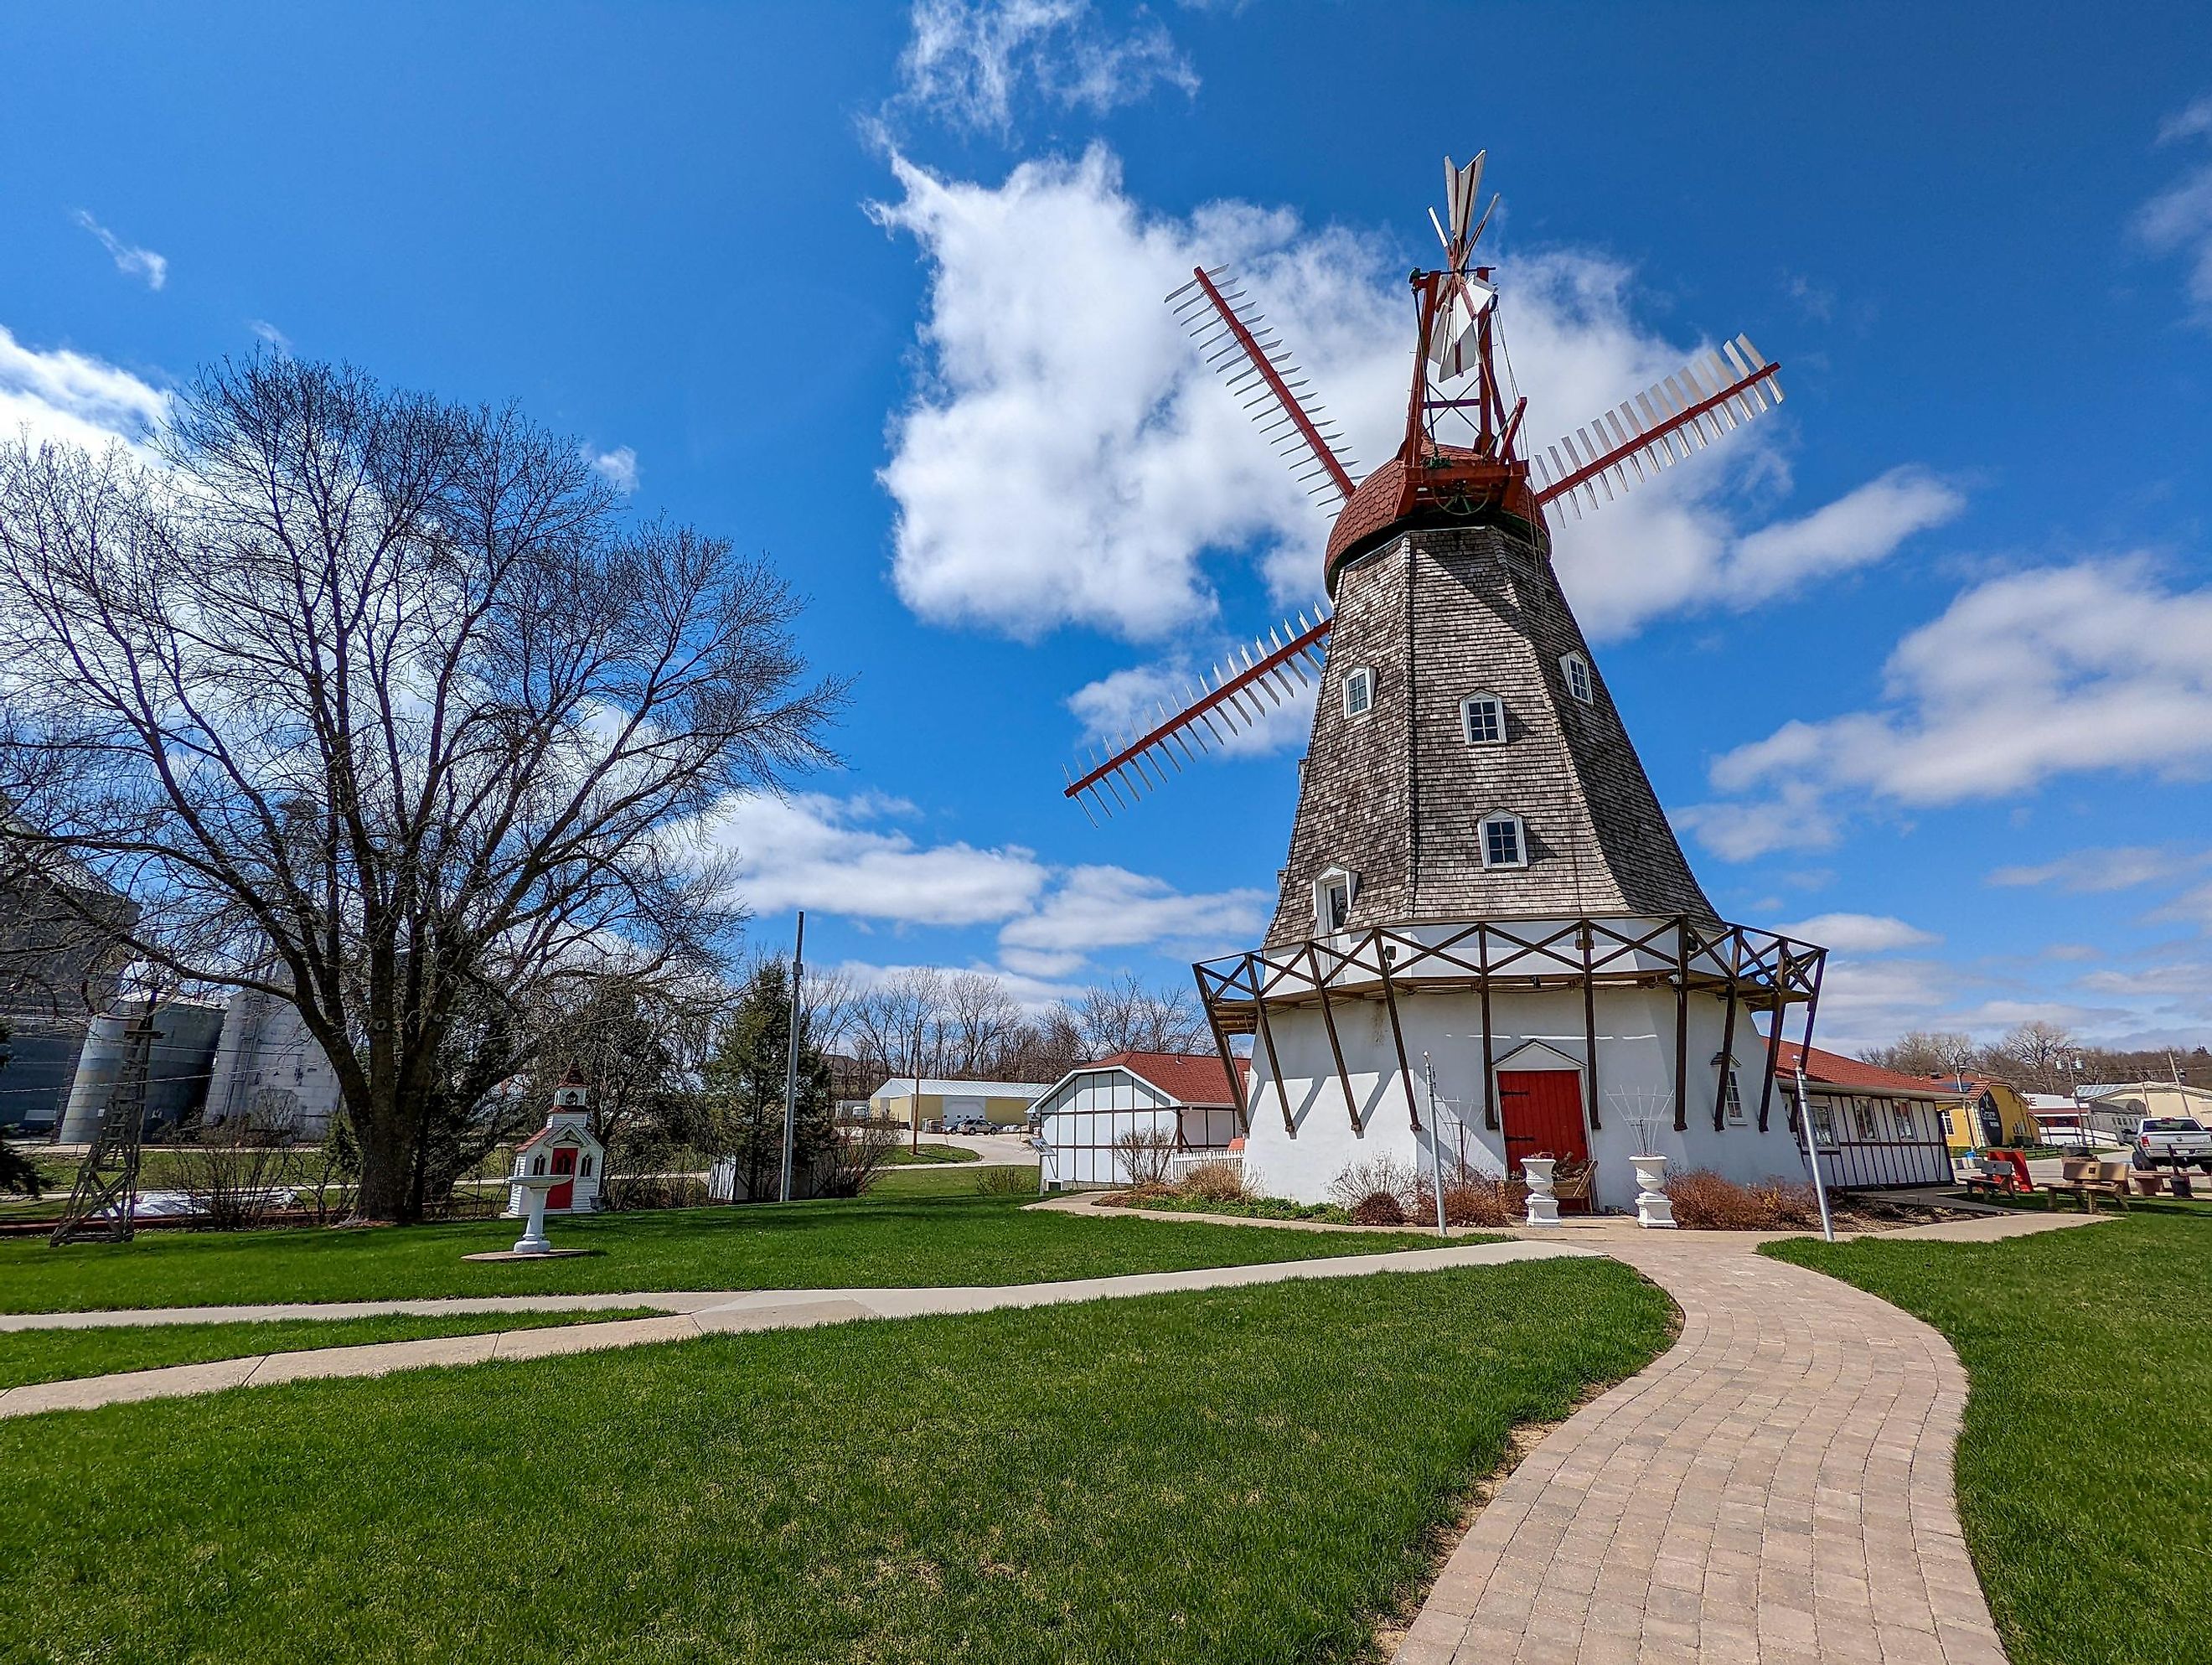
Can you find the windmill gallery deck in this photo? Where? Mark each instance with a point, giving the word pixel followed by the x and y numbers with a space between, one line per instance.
pixel 1480 877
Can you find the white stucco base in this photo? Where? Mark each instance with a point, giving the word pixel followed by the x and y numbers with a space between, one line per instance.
pixel 1636 1072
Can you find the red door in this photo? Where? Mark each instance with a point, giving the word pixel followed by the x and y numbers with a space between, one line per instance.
pixel 1542 1110
pixel 563 1195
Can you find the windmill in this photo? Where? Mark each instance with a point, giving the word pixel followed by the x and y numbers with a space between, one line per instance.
pixel 1480 873
pixel 1457 309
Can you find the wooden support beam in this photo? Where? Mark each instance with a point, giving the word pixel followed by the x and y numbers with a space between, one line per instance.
pixel 1489 1063
pixel 1682 1025
pixel 1812 1006
pixel 1328 1022
pixel 1268 1040
pixel 1589 1023
pixel 1397 1035
pixel 1774 1041
pixel 1228 1059
pixel 1728 1046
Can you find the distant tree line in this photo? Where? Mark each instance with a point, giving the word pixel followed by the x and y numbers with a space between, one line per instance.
pixel 2037 1056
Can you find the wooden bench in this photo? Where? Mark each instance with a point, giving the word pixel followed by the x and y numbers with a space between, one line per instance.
pixel 2001 1173
pixel 2085 1180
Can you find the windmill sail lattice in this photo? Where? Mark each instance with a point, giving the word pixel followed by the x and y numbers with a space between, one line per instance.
pixel 1237 343
pixel 1586 467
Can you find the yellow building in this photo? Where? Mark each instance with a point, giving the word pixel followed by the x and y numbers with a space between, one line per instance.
pixel 1002 1104
pixel 1991 1112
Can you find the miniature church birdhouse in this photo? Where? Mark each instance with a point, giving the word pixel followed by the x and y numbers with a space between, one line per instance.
pixel 565 1151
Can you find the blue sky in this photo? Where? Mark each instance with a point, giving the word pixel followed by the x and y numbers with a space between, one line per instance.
pixel 1924 663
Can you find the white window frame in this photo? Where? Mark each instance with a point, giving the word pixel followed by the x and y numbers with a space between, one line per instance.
pixel 1328 880
pixel 1581 681
pixel 1361 677
pixel 1467 709
pixel 1520 839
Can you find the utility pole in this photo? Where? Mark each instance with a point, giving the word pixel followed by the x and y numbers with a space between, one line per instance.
pixel 1435 1142
pixel 791 1065
pixel 1812 1146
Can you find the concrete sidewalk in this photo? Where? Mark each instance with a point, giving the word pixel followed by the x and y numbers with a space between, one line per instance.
pixel 689 1314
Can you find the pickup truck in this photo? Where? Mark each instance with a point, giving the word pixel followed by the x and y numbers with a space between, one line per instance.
pixel 2173 1141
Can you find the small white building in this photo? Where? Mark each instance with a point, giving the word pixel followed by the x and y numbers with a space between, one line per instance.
pixel 1186 1097
pixel 564 1146
pixel 1876 1128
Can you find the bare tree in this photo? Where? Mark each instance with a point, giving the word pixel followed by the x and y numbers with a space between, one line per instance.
pixel 366 700
pixel 1925 1052
pixel 1126 1016
pixel 2037 1052
pixel 899 1025
pixel 981 1023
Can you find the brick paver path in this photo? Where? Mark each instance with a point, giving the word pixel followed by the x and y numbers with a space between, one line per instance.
pixel 1775 1490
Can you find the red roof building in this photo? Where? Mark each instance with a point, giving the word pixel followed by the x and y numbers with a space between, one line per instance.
pixel 1188 1078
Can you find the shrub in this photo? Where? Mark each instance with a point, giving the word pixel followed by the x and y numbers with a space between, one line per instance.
pixel 1704 1201
pixel 1378 1208
pixel 1143 1155
pixel 1477 1199
pixel 1379 1177
pixel 1006 1182
pixel 1216 1182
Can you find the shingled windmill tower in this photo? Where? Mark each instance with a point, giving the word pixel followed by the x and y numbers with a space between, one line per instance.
pixel 1479 870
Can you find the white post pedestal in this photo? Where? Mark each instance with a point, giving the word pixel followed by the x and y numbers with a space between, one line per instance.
pixel 534 1187
pixel 1654 1207
pixel 1543 1207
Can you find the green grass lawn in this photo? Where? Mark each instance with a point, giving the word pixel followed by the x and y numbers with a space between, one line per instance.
pixel 1241 1477
pixel 2085 1468
pixel 884 1240
pixel 908 1156
pixel 28 1355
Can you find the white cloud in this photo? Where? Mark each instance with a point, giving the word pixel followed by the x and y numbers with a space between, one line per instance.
pixel 814 851
pixel 130 260
pixel 2193 122
pixel 270 333
pixel 1068 458
pixel 617 467
pixel 970 61
pixel 1860 934
pixel 847 857
pixel 72 397
pixel 1096 908
pixel 2178 220
pixel 2095 666
pixel 1857 530
pixel 1130 703
pixel 2121 867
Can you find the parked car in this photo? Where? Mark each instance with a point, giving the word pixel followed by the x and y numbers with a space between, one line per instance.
pixel 2173 1141
pixel 967 1122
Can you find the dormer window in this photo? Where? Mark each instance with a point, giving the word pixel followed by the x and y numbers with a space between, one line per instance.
pixel 1504 840
pixel 1577 672
pixel 1359 692
pixel 1333 894
pixel 1482 719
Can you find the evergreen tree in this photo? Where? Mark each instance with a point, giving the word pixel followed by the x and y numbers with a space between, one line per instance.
pixel 744 1089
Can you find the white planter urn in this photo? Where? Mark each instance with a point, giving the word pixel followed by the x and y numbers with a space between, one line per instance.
pixel 1543 1207
pixel 1654 1208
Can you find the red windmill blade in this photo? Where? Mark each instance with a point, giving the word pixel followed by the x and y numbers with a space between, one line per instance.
pixel 1235 336
pixel 1661 426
